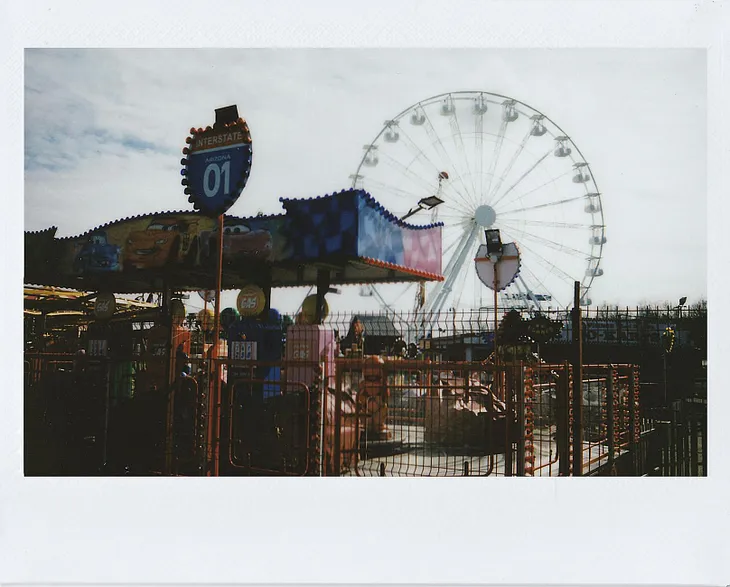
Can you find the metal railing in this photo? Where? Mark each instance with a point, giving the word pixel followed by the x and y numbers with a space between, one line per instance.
pixel 358 415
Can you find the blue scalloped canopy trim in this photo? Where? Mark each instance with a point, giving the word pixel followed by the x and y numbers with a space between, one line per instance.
pixel 160 215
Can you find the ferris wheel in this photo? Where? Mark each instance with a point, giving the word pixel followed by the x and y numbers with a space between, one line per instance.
pixel 475 161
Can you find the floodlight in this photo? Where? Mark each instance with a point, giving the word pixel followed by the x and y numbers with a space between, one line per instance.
pixel 430 202
pixel 494 241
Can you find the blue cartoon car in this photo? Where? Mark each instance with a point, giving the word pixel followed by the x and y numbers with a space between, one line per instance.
pixel 97 255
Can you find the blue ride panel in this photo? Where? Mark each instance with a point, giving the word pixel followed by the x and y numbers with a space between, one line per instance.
pixel 255 340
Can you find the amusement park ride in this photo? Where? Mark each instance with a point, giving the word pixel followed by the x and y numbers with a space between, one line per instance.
pixel 493 162
pixel 340 239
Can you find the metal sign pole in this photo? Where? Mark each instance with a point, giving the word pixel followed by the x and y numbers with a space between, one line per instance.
pixel 229 169
pixel 577 383
pixel 215 371
pixel 496 286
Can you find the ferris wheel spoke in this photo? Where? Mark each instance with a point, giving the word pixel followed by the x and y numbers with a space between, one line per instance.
pixel 453 224
pixel 547 242
pixel 456 132
pixel 462 239
pixel 541 186
pixel 548 205
pixel 525 294
pixel 460 288
pixel 522 177
pixel 421 156
pixel 509 166
pixel 462 242
pixel 399 192
pixel 545 223
pixel 530 292
pixel 457 209
pixel 452 270
pixel 457 205
pixel 420 153
pixel 456 226
pixel 408 172
pixel 447 190
pixel 451 246
pixel 453 241
pixel 462 201
pixel 438 144
pixel 479 148
pixel 495 154
pixel 546 263
pixel 541 284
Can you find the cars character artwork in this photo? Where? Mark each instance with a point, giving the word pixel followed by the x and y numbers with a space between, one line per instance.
pixel 156 246
pixel 97 255
pixel 240 241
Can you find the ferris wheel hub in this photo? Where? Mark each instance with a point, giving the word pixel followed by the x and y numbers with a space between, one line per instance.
pixel 485 216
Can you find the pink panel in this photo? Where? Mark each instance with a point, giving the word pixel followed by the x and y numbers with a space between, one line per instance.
pixel 314 344
pixel 422 249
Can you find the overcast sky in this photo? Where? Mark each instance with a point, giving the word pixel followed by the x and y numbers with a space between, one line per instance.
pixel 104 131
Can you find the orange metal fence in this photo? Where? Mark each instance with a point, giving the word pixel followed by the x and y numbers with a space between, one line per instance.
pixel 359 416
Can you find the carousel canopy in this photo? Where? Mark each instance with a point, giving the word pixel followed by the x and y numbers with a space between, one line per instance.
pixel 347 234
pixel 62 303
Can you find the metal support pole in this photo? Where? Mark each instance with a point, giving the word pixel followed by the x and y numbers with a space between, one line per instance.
pixel 694 445
pixel 496 285
pixel 166 318
pixel 633 417
pixel 665 377
pixel 323 285
pixel 685 439
pixel 521 422
pixel 107 399
pixel 214 401
pixel 337 436
pixel 577 384
pixel 562 434
pixel 508 427
pixel 610 415
pixel 497 374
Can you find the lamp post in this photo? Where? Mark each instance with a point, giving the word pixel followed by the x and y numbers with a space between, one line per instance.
pixel 494 250
pixel 682 302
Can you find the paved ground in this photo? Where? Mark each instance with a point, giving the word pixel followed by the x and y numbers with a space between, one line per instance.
pixel 421 459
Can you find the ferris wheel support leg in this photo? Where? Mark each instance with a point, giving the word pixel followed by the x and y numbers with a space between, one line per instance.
pixel 452 273
pixel 530 294
pixel 383 304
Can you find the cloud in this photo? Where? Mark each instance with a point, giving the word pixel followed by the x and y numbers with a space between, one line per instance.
pixel 104 131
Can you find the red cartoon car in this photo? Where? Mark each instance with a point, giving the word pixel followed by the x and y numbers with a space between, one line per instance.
pixel 155 246
pixel 241 240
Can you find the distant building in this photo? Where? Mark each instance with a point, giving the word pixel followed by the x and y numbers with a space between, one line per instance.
pixel 380 334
